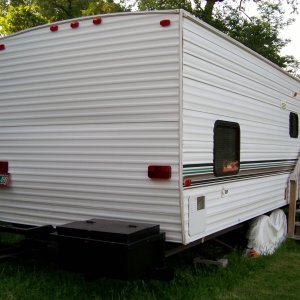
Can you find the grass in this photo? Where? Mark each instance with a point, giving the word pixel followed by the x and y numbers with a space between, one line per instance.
pixel 270 277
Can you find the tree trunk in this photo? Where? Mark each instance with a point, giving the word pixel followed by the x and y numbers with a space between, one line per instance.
pixel 208 9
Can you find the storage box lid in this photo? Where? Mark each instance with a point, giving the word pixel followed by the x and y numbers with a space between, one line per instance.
pixel 108 230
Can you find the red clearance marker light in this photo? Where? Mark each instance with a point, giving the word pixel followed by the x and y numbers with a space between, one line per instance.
pixel 54 28
pixel 187 182
pixel 97 21
pixel 159 172
pixel 2 47
pixel 74 24
pixel 165 23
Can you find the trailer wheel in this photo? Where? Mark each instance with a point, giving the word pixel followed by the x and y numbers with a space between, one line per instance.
pixel 266 233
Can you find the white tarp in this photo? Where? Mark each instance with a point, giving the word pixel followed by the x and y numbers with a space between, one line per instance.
pixel 266 233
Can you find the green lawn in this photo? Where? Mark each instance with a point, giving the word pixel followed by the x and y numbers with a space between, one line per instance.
pixel 272 277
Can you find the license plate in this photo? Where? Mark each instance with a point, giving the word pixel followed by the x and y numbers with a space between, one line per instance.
pixel 4 179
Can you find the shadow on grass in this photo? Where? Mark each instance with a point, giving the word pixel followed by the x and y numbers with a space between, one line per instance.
pixel 270 277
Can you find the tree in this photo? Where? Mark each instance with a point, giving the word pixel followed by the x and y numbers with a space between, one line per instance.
pixel 260 33
pixel 20 17
pixel 100 7
pixel 161 4
pixel 56 10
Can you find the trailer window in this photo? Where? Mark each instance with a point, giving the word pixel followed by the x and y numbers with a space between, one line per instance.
pixel 226 148
pixel 294 132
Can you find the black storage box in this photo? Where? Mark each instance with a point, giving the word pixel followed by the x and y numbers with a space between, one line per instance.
pixel 111 248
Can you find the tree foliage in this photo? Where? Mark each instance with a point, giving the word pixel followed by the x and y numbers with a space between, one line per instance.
pixel 260 33
pixel 160 5
pixel 56 10
pixel 20 16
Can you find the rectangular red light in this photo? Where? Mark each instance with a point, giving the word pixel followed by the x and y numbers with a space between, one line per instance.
pixel 4 175
pixel 159 172
pixel 3 166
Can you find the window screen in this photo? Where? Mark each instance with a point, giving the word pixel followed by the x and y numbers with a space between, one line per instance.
pixel 294 125
pixel 226 148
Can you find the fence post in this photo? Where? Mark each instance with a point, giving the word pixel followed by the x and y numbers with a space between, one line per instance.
pixel 292 208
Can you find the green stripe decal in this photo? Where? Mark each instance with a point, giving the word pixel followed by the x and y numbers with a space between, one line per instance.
pixel 244 166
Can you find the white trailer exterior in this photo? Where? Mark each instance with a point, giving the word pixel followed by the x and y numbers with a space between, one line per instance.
pixel 85 111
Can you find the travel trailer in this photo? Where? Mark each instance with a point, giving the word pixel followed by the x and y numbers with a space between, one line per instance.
pixel 145 117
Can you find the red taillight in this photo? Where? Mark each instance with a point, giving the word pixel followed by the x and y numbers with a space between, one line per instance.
pixel 54 28
pixel 159 172
pixel 165 23
pixel 74 24
pixel 3 166
pixel 97 21
pixel 2 46
pixel 4 175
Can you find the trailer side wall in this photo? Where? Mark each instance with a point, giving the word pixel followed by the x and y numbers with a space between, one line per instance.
pixel 224 81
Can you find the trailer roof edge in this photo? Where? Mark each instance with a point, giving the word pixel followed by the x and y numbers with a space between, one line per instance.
pixel 172 11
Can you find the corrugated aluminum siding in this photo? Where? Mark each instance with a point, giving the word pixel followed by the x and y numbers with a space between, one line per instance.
pixel 83 112
pixel 222 81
